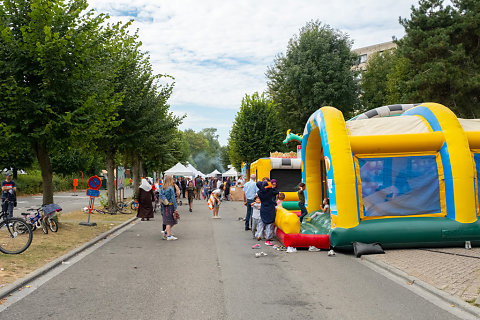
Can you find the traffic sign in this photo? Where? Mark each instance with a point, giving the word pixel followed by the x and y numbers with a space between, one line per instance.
pixel 94 183
pixel 93 192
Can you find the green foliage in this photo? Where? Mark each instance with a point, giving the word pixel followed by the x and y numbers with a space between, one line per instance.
pixel 374 79
pixel 32 182
pixel 314 72
pixel 440 56
pixel 69 161
pixel 255 131
pixel 204 150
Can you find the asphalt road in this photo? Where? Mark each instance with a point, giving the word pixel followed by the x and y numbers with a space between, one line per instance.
pixel 211 272
pixel 67 200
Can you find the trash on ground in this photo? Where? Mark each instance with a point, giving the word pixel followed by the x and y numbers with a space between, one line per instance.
pixel 260 254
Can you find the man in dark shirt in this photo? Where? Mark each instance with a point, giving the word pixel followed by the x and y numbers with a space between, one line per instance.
pixel 9 190
pixel 198 186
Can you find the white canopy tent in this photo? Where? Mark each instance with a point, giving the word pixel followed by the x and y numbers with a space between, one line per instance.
pixel 179 170
pixel 230 173
pixel 214 173
pixel 195 171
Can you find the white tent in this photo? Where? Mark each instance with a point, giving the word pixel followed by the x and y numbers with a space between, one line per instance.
pixel 195 171
pixel 179 170
pixel 214 173
pixel 230 173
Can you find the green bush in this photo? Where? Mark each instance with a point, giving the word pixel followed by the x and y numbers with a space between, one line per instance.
pixel 31 183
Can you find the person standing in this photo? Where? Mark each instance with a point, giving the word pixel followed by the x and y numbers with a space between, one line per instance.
pixel 267 194
pixel 301 201
pixel 169 211
pixel 190 194
pixel 9 192
pixel 198 186
pixel 249 192
pixel 228 183
pixel 183 184
pixel 145 199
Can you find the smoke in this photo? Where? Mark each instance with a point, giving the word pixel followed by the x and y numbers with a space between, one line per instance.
pixel 207 164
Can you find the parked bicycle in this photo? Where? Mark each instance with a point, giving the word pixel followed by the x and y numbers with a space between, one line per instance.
pixel 15 234
pixel 132 205
pixel 44 217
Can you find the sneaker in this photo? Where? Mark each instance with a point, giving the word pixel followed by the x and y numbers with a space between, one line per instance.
pixel 171 238
pixel 313 249
pixel 256 246
pixel 268 243
pixel 291 250
pixel 331 253
pixel 164 235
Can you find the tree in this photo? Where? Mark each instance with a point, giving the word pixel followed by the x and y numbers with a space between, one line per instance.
pixel 442 56
pixel 204 149
pixel 374 79
pixel 55 76
pixel 255 131
pixel 315 71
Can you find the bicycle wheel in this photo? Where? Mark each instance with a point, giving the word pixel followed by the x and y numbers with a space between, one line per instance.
pixel 134 205
pixel 44 226
pixel 15 236
pixel 52 224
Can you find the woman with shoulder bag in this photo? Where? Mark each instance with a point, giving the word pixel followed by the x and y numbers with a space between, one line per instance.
pixel 169 207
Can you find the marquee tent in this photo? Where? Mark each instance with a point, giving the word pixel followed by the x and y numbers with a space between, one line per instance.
pixel 230 173
pixel 179 170
pixel 214 173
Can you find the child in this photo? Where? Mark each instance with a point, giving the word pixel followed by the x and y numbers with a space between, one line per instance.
pixel 325 209
pixel 301 201
pixel 256 205
pixel 281 197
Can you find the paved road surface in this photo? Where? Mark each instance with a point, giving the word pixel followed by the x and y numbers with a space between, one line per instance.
pixel 66 200
pixel 211 273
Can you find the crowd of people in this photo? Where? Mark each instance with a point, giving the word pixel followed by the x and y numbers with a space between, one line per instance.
pixel 261 199
pixel 168 193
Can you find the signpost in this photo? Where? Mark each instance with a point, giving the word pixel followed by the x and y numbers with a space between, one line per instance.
pixel 94 184
pixel 75 185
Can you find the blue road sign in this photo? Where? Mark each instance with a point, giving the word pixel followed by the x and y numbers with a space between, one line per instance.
pixel 93 192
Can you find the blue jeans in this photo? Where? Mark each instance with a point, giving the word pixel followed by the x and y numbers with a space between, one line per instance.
pixel 303 210
pixel 248 217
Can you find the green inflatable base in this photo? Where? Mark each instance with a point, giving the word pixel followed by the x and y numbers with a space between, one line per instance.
pixel 408 233
pixel 320 224
pixel 290 205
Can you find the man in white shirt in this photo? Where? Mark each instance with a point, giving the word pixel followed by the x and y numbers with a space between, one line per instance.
pixel 249 191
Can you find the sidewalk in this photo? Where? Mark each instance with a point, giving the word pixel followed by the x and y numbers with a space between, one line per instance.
pixel 453 270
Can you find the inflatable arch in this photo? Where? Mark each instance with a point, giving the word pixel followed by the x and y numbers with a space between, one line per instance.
pixel 404 181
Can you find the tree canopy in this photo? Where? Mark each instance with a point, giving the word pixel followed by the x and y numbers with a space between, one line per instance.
pixel 255 131
pixel 437 60
pixel 315 71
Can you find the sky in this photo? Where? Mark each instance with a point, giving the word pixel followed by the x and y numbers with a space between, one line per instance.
pixel 219 50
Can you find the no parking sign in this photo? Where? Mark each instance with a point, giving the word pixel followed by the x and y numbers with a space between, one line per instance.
pixel 94 183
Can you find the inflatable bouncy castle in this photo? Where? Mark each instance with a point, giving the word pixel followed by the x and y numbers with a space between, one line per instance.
pixel 402 175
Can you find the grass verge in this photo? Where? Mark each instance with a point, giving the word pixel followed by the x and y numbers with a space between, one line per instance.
pixel 47 247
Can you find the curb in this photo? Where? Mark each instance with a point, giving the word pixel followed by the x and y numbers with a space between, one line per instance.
pixel 457 302
pixel 51 265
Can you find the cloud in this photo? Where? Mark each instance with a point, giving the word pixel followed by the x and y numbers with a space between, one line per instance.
pixel 218 51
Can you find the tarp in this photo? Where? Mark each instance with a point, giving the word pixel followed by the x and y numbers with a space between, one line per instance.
pixel 195 171
pixel 179 170
pixel 214 173
pixel 470 124
pixel 385 126
pixel 230 173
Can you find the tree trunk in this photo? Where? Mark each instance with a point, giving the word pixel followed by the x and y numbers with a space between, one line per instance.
pixel 135 175
pixel 15 173
pixel 111 179
pixel 41 152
